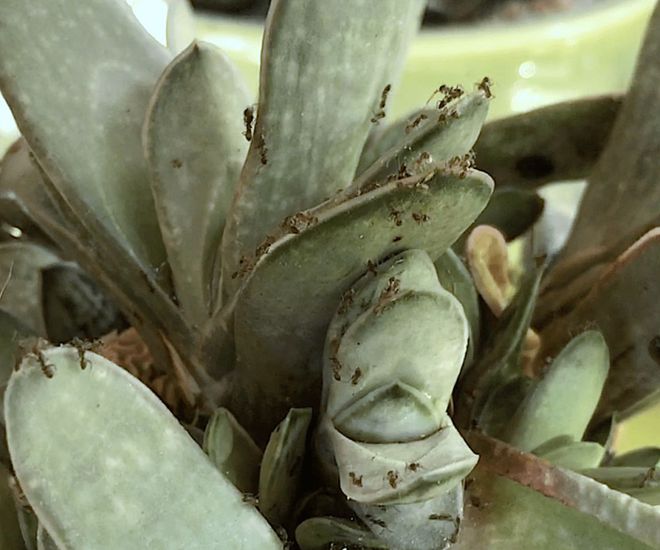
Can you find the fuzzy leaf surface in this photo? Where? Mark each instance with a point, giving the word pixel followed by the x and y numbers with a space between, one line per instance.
pixel 90 456
pixel 81 108
pixel 319 90
pixel 564 400
pixel 195 151
pixel 284 308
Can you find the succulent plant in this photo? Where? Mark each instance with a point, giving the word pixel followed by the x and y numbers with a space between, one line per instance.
pixel 329 345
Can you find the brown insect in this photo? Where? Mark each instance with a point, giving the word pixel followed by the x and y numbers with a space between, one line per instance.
pixel 355 479
pixel 462 164
pixel 177 163
pixel 298 222
pixel 380 114
pixel 47 368
pixel 264 246
pixel 420 218
pixel 336 364
pixel 250 499
pixel 83 346
pixel 357 374
pixel 449 93
pixel 395 216
pixel 248 119
pixel 414 466
pixel 245 265
pixel 416 122
pixel 393 478
pixel 485 86
pixel 386 295
pixel 441 517
pixel 346 301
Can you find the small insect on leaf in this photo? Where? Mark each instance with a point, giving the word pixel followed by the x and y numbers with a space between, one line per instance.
pixel 380 113
pixel 47 368
pixel 387 294
pixel 357 374
pixel 83 346
pixel 355 479
pixel 486 87
pixel 376 521
pixel 393 478
pixel 416 122
pixel 248 119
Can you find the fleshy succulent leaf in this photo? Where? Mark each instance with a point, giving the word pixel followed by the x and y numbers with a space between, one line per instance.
pixel 512 211
pixel 622 198
pixel 84 127
pixel 232 451
pixel 281 468
pixel 499 364
pixel 22 190
pixel 44 540
pixel 21 282
pixel 555 143
pixel 319 91
pixel 421 212
pixel 195 151
pixel 324 532
pixel 156 474
pixel 488 260
pixel 455 278
pixel 74 306
pixel 576 455
pixel 431 524
pixel 448 133
pixel 622 304
pixel 368 376
pixel 10 531
pixel 515 497
pixel 181 25
pixel 564 400
pixel 645 457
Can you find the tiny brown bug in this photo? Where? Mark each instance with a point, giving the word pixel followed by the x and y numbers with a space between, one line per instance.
pixel 393 478
pixel 355 479
pixel 248 119
pixel 357 374
pixel 416 122
pixel 420 218
pixel 82 347
pixel 486 87
pixel 380 114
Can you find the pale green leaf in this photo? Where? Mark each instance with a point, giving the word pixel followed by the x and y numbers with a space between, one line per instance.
pixel 195 151
pixel 232 451
pixel 281 467
pixel 319 90
pixel 73 439
pixel 314 267
pixel 564 400
pixel 78 79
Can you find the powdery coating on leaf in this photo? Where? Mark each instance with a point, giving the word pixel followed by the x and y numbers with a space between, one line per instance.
pixel 316 266
pixel 97 440
pixel 195 150
pixel 81 108
pixel 318 91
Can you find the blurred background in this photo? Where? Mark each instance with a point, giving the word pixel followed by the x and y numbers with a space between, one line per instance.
pixel 536 52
